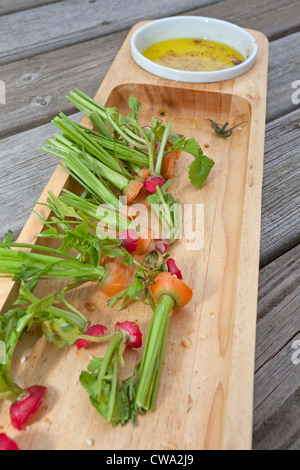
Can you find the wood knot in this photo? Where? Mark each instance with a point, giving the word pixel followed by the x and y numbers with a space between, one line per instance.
pixel 42 101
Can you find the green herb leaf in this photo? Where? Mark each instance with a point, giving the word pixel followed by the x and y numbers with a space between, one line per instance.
pixel 136 106
pixel 222 129
pixel 199 170
pixel 8 238
pixel 190 146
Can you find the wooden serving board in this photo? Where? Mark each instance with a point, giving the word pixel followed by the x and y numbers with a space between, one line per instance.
pixel 206 390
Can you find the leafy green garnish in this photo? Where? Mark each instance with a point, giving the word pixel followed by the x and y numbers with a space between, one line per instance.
pixel 61 326
pixel 110 396
pixel 221 129
pixel 199 170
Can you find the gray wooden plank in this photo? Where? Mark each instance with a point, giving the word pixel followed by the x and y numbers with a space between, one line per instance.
pixel 279 304
pixel 35 87
pixel 280 430
pixel 283 72
pixel 276 423
pixel 50 27
pixel 32 32
pixel 24 172
pixel 275 18
pixel 11 6
pixel 280 229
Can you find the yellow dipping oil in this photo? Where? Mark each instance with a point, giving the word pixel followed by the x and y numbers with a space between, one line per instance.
pixel 200 55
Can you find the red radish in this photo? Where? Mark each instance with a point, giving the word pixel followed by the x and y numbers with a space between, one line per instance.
pixel 23 408
pixel 172 268
pixel 151 182
pixel 129 240
pixel 132 333
pixel 6 443
pixel 161 245
pixel 94 330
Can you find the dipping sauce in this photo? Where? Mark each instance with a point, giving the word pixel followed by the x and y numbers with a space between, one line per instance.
pixel 197 55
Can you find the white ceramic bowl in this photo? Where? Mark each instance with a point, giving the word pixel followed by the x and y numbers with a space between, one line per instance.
pixel 177 27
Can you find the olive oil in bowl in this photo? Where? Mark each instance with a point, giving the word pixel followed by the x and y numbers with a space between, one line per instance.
pixel 192 54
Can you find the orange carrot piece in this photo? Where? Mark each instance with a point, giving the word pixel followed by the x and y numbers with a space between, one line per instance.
pixel 169 162
pixel 166 283
pixel 117 277
pixel 132 189
pixel 144 241
pixel 143 173
pixel 104 259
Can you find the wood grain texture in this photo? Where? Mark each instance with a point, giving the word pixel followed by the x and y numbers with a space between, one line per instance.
pixel 220 321
pixel 284 70
pixel 22 187
pixel 274 18
pixel 36 87
pixel 9 6
pixel 276 398
pixel 280 229
pixel 50 27
pixel 24 35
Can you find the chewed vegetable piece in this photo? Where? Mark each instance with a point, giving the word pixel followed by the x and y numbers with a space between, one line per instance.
pixel 143 173
pixel 161 245
pixel 23 408
pixel 116 278
pixel 169 162
pixel 104 259
pixel 132 189
pixel 151 182
pixel 144 240
pixel 6 443
pixel 94 330
pixel 173 269
pixel 129 240
pixel 167 284
pixel 133 335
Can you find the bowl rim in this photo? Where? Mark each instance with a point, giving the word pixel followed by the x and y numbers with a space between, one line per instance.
pixel 192 75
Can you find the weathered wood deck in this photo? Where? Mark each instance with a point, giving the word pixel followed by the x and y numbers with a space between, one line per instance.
pixel 49 47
